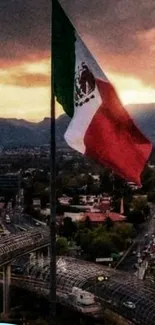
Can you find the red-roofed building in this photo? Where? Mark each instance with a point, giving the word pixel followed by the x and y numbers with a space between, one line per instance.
pixel 104 205
pixel 100 218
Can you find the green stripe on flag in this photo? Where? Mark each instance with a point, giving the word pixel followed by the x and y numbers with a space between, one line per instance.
pixel 64 59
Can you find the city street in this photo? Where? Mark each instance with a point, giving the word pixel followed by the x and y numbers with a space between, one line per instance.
pixel 140 244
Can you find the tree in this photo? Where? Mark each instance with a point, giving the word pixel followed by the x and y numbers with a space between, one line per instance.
pixel 44 197
pixel 102 246
pixel 108 223
pixel 116 204
pixel 125 230
pixel 136 217
pixel 84 239
pixel 75 200
pixel 106 181
pixel 151 196
pixel 87 223
pixel 148 180
pixel 68 229
pixel 117 240
pixel 62 246
pixel 139 203
pixel 38 188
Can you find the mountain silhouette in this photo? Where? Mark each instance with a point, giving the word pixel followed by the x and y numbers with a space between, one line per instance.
pixel 19 132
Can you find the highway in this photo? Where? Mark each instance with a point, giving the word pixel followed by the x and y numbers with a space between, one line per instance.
pixel 118 294
pixel 122 292
pixel 113 294
pixel 140 244
pixel 16 245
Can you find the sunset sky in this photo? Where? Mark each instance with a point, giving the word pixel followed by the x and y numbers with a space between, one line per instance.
pixel 120 35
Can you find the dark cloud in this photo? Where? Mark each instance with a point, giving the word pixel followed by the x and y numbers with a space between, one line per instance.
pixel 120 34
pixel 24 30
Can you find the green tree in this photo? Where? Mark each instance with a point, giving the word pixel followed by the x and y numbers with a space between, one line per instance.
pixel 84 238
pixel 139 203
pixel 106 181
pixel 68 229
pixel 75 200
pixel 108 224
pixel 148 180
pixel 136 217
pixel 62 246
pixel 102 246
pixel 151 196
pixel 125 230
pixel 38 188
pixel 117 240
pixel 87 223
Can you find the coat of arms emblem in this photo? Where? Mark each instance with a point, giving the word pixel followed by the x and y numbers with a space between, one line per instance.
pixel 84 85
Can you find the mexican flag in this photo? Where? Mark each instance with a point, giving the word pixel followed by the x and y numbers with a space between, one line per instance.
pixel 100 126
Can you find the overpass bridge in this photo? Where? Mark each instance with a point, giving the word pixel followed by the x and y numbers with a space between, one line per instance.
pixel 112 294
pixel 15 245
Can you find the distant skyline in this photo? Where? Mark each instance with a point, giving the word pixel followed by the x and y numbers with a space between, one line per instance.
pixel 120 36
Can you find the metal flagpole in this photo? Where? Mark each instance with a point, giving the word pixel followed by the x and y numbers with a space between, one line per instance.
pixel 52 223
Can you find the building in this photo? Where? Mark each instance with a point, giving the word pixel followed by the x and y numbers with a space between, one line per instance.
pixel 74 216
pixel 10 182
pixel 37 204
pixel 100 218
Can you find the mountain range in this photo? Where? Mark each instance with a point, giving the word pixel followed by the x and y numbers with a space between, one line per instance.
pixel 19 132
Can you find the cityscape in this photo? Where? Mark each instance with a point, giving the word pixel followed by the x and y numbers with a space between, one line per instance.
pixel 105 240
pixel 77 162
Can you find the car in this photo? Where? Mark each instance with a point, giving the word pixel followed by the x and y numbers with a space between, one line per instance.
pixel 129 304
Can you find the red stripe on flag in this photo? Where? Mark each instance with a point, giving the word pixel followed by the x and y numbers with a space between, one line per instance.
pixel 114 140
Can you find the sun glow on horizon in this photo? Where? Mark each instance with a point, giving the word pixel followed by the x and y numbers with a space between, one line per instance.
pixel 132 90
pixel 25 91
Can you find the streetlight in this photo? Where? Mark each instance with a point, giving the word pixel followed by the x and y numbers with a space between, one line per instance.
pixel 100 278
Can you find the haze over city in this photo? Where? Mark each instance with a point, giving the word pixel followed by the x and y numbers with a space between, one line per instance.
pixel 121 38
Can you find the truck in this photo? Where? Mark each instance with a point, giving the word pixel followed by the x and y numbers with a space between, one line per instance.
pixel 83 297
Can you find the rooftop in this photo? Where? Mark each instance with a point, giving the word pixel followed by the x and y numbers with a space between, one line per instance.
pixel 101 217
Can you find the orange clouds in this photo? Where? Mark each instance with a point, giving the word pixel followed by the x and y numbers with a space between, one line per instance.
pixel 25 91
pixel 28 80
pixel 120 34
pixel 132 90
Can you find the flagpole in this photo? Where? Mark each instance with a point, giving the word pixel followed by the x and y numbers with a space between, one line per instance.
pixel 52 223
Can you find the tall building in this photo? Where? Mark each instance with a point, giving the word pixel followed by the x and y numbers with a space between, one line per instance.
pixel 10 182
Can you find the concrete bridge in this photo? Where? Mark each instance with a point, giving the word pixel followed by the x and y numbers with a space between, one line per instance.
pixel 14 246
pixel 112 294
